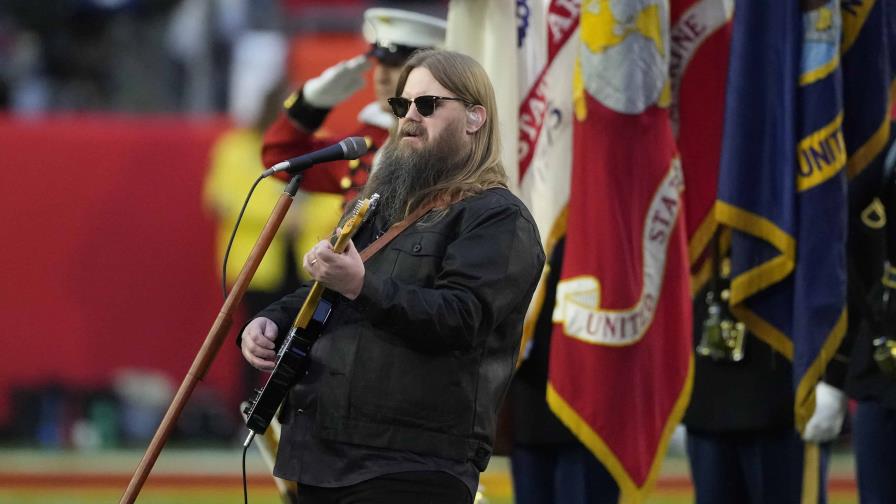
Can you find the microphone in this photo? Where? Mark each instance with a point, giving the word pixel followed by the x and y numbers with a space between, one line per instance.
pixel 349 148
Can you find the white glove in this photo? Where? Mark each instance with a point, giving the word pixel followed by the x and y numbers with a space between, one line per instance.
pixel 336 83
pixel 830 410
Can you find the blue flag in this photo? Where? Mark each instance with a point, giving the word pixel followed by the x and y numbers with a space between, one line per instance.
pixel 782 186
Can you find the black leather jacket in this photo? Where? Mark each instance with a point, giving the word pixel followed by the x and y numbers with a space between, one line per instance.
pixel 422 359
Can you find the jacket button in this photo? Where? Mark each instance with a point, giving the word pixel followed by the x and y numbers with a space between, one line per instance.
pixel 418 247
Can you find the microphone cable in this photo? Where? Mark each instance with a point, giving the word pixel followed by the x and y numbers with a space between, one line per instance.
pixel 236 225
pixel 245 486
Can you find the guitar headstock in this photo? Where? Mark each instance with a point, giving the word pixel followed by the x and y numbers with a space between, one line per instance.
pixel 359 214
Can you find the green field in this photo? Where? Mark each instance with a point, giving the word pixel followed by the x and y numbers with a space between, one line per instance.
pixel 214 476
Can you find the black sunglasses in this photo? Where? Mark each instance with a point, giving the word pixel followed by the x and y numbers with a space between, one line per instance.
pixel 426 105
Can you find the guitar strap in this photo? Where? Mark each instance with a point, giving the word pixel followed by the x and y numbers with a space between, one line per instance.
pixel 395 230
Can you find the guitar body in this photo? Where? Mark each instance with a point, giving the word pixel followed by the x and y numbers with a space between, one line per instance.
pixel 293 360
pixel 294 355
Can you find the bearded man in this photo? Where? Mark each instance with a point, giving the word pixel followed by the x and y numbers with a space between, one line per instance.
pixel 400 403
pixel 393 34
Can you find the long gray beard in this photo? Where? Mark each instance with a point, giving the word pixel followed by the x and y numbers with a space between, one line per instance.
pixel 403 173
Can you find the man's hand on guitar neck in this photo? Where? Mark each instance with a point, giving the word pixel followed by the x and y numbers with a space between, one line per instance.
pixel 258 343
pixel 343 273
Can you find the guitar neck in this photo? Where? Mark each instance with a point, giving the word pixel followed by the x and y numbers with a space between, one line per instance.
pixel 317 289
pixel 307 311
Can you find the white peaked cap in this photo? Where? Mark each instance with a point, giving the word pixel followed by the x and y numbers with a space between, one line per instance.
pixel 385 27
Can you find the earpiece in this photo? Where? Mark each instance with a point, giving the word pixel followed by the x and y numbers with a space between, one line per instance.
pixel 475 118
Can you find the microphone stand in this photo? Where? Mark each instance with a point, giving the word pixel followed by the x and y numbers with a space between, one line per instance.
pixel 216 336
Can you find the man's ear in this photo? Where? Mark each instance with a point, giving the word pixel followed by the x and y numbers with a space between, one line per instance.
pixel 476 116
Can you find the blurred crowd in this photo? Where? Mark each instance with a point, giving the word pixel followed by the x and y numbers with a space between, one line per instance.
pixel 142 56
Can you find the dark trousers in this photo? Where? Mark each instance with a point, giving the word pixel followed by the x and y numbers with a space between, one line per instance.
pixel 564 474
pixel 874 442
pixel 750 468
pixel 417 487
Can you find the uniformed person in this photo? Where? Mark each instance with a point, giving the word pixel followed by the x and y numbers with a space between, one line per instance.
pixel 871 379
pixel 742 443
pixel 393 35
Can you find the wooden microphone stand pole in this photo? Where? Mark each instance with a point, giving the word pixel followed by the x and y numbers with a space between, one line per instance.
pixel 216 336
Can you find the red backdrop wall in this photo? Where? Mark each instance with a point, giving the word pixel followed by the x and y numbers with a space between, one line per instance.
pixel 107 255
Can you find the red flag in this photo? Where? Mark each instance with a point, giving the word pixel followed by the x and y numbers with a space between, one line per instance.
pixel 699 41
pixel 620 368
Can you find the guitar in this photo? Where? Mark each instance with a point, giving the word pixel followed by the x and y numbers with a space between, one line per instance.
pixel 294 354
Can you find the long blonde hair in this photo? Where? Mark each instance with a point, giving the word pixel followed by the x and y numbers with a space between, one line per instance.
pixel 465 77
